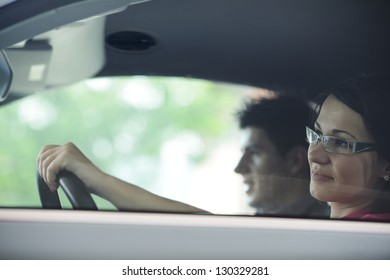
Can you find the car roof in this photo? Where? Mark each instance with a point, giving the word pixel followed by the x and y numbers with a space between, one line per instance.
pixel 294 46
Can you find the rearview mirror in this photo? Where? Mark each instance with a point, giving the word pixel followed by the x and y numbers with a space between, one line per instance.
pixel 5 76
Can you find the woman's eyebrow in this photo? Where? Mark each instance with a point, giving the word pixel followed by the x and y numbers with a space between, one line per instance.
pixel 336 131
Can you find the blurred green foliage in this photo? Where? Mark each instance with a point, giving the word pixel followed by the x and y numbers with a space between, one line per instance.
pixel 118 123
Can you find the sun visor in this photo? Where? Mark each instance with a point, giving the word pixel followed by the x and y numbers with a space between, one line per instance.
pixel 30 64
pixel 59 57
pixel 60 15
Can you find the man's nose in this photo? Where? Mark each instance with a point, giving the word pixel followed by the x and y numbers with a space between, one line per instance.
pixel 241 166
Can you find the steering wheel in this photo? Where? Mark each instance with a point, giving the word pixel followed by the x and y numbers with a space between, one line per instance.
pixel 73 187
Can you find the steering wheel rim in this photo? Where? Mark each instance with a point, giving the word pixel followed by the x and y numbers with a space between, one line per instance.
pixel 74 189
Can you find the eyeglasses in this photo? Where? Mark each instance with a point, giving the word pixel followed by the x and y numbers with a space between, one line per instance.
pixel 337 145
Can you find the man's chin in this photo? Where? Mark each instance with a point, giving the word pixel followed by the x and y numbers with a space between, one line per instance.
pixel 252 202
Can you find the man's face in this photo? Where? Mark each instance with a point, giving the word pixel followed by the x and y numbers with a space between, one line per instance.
pixel 262 168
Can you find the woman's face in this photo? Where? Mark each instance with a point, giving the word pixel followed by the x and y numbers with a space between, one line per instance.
pixel 344 178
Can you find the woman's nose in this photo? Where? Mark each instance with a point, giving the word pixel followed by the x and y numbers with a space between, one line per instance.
pixel 317 154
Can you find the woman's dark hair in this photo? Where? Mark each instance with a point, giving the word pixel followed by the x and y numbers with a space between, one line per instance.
pixel 369 96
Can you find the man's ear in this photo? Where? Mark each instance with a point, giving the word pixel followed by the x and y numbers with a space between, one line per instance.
pixel 296 159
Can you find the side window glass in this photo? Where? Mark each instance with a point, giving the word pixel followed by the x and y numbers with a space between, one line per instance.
pixel 172 136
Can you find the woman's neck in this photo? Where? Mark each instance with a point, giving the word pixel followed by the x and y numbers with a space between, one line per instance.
pixel 339 209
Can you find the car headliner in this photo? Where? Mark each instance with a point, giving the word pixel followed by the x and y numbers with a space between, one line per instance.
pixel 295 46
pixel 291 45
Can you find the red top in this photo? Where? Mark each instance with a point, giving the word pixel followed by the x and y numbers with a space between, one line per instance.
pixel 364 215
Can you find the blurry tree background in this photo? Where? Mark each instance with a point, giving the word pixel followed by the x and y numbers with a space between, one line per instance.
pixel 173 136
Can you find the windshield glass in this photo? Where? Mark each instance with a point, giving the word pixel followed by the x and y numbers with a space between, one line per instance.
pixel 175 137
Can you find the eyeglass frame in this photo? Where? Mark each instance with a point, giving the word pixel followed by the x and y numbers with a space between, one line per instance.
pixel 357 147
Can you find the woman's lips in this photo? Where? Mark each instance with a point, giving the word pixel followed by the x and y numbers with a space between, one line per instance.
pixel 320 177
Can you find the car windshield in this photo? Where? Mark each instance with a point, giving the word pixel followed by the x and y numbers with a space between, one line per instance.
pixel 176 137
